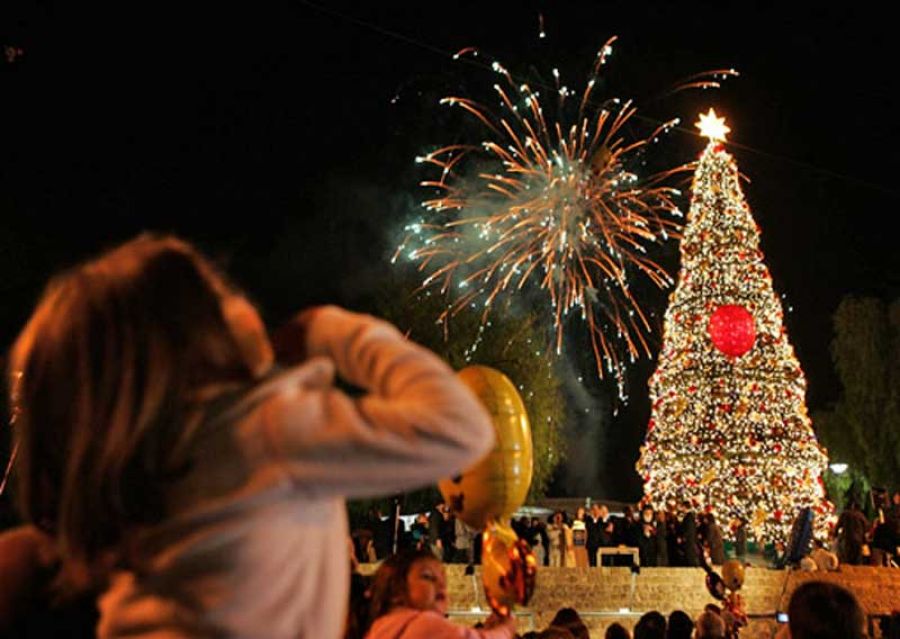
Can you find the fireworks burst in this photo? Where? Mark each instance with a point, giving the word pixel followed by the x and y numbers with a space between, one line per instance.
pixel 561 212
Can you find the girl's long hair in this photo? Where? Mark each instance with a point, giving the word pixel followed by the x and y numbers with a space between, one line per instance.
pixel 110 362
pixel 389 588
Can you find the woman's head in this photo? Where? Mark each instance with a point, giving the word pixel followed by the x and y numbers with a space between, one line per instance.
pixel 710 625
pixel 823 609
pixel 412 579
pixel 109 362
pixel 679 626
pixel 616 631
pixel 651 625
pixel 569 619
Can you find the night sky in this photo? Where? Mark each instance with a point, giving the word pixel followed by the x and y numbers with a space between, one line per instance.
pixel 280 137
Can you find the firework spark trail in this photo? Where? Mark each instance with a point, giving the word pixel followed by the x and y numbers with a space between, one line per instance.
pixel 561 212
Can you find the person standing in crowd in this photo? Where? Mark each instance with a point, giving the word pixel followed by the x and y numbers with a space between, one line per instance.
pixel 521 527
pixel 465 543
pixel 712 538
pixel 569 555
pixel 600 531
pixel 542 541
pixel 203 486
pixel 579 538
pixel 647 540
pixel 627 528
pixel 885 538
pixel 662 539
pixel 363 545
pixel 381 533
pixel 447 534
pixel 625 533
pixel 739 529
pixel 419 531
pixel 687 536
pixel 435 517
pixel 850 532
pixel 674 545
pixel 559 535
pixel 358 607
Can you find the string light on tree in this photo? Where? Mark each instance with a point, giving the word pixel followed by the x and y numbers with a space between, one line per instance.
pixel 729 430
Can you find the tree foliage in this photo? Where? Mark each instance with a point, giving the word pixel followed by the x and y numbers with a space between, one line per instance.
pixel 862 428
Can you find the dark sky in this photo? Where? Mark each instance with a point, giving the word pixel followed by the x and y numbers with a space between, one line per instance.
pixel 280 137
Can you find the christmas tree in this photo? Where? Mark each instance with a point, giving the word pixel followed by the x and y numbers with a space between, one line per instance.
pixel 729 430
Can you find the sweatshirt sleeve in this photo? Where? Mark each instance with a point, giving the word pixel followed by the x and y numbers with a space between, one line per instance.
pixel 415 423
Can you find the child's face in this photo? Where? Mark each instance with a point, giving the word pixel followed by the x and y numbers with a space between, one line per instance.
pixel 426 586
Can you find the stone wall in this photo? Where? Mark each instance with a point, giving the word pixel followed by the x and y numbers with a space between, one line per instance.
pixel 605 595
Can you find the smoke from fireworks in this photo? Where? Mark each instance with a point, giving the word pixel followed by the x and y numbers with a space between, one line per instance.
pixel 561 211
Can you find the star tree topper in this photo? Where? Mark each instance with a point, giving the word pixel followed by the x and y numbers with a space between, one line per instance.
pixel 712 127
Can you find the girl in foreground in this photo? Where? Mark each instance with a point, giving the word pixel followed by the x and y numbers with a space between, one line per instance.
pixel 195 482
pixel 409 600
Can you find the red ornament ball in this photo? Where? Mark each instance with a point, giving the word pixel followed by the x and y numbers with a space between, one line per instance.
pixel 732 330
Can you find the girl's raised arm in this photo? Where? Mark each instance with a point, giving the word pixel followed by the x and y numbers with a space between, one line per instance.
pixel 415 423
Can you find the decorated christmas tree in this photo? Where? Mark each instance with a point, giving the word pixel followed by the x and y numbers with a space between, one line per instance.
pixel 729 430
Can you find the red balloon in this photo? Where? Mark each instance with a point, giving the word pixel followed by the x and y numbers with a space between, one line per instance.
pixel 732 330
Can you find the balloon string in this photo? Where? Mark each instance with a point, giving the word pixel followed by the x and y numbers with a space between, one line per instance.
pixel 9 467
pixel 14 413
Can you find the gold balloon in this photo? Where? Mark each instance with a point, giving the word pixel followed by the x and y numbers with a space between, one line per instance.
pixel 733 574
pixel 495 487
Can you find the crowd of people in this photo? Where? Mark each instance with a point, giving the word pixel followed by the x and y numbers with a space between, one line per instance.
pixel 678 536
pixel 407 597
pixel 876 541
pixel 665 538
